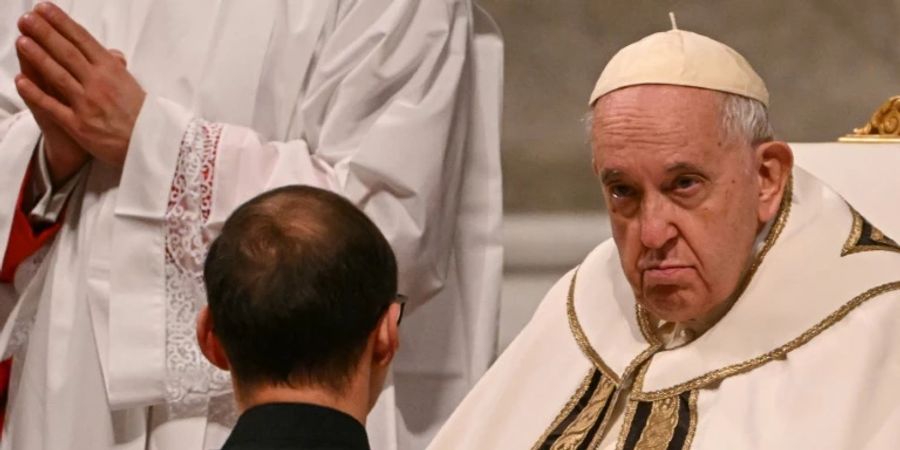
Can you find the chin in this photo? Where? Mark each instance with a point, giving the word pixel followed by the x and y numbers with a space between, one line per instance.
pixel 674 306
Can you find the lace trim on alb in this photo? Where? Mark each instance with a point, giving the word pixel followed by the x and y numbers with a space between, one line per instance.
pixel 191 380
pixel 23 322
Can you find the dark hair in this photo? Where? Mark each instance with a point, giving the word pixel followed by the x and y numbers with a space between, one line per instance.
pixel 296 283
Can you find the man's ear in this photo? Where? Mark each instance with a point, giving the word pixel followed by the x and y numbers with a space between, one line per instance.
pixel 776 162
pixel 387 339
pixel 209 342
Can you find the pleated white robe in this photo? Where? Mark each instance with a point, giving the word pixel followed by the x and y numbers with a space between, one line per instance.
pixel 393 103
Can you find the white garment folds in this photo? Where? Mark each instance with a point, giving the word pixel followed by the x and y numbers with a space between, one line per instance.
pixel 807 358
pixel 393 103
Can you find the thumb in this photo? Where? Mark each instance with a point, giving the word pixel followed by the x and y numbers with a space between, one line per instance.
pixel 119 56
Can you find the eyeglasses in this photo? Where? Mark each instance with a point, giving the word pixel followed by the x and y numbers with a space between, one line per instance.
pixel 401 300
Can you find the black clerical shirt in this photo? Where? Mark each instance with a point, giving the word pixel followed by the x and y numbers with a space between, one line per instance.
pixel 296 426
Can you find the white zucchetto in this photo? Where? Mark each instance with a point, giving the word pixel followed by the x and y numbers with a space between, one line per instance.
pixel 681 58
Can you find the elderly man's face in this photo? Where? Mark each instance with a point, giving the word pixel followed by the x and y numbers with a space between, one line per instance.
pixel 684 202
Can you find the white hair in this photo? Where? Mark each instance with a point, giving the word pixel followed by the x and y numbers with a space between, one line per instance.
pixel 747 119
pixel 742 118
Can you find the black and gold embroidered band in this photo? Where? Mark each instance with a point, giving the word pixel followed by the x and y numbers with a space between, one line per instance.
pixel 665 424
pixel 865 237
pixel 580 421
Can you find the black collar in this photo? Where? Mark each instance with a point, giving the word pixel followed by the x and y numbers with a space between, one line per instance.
pixel 299 424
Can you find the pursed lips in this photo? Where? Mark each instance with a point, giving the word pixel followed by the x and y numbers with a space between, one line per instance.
pixel 664 273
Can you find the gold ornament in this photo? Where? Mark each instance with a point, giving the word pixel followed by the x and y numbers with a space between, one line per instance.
pixel 884 126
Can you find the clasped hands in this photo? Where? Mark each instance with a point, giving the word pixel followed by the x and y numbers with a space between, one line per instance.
pixel 81 94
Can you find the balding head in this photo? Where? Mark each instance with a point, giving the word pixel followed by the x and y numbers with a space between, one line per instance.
pixel 296 284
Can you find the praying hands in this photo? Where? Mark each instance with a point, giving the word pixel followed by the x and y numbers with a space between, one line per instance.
pixel 81 94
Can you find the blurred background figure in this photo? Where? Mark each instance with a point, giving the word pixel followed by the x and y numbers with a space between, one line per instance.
pixel 303 311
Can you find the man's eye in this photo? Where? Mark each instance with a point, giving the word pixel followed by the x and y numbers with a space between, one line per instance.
pixel 620 191
pixel 684 183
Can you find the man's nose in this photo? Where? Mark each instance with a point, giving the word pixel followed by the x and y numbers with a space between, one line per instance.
pixel 657 228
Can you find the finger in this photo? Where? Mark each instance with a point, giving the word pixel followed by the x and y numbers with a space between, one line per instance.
pixel 63 51
pixel 73 31
pixel 36 77
pixel 119 57
pixel 43 104
pixel 47 69
pixel 33 75
pixel 28 71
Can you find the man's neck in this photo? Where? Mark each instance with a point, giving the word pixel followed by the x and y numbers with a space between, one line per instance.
pixel 351 402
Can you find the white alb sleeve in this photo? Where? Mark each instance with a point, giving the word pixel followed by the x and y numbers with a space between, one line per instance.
pixel 382 128
pixel 50 202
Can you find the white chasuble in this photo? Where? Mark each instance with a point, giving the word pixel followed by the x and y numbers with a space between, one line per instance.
pixel 394 104
pixel 808 357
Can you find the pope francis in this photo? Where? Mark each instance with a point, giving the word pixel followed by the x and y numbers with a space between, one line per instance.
pixel 740 303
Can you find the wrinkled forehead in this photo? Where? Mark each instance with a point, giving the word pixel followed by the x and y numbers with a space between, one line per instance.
pixel 656 120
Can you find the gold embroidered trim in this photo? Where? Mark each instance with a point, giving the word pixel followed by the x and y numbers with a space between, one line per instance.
pixel 607 419
pixel 692 407
pixel 647 330
pixel 855 231
pixel 630 408
pixel 631 404
pixel 784 211
pixel 637 361
pixel 778 353
pixel 581 338
pixel 852 244
pixel 660 425
pixel 664 416
pixel 855 234
pixel 567 409
pixel 575 433
pixel 638 384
